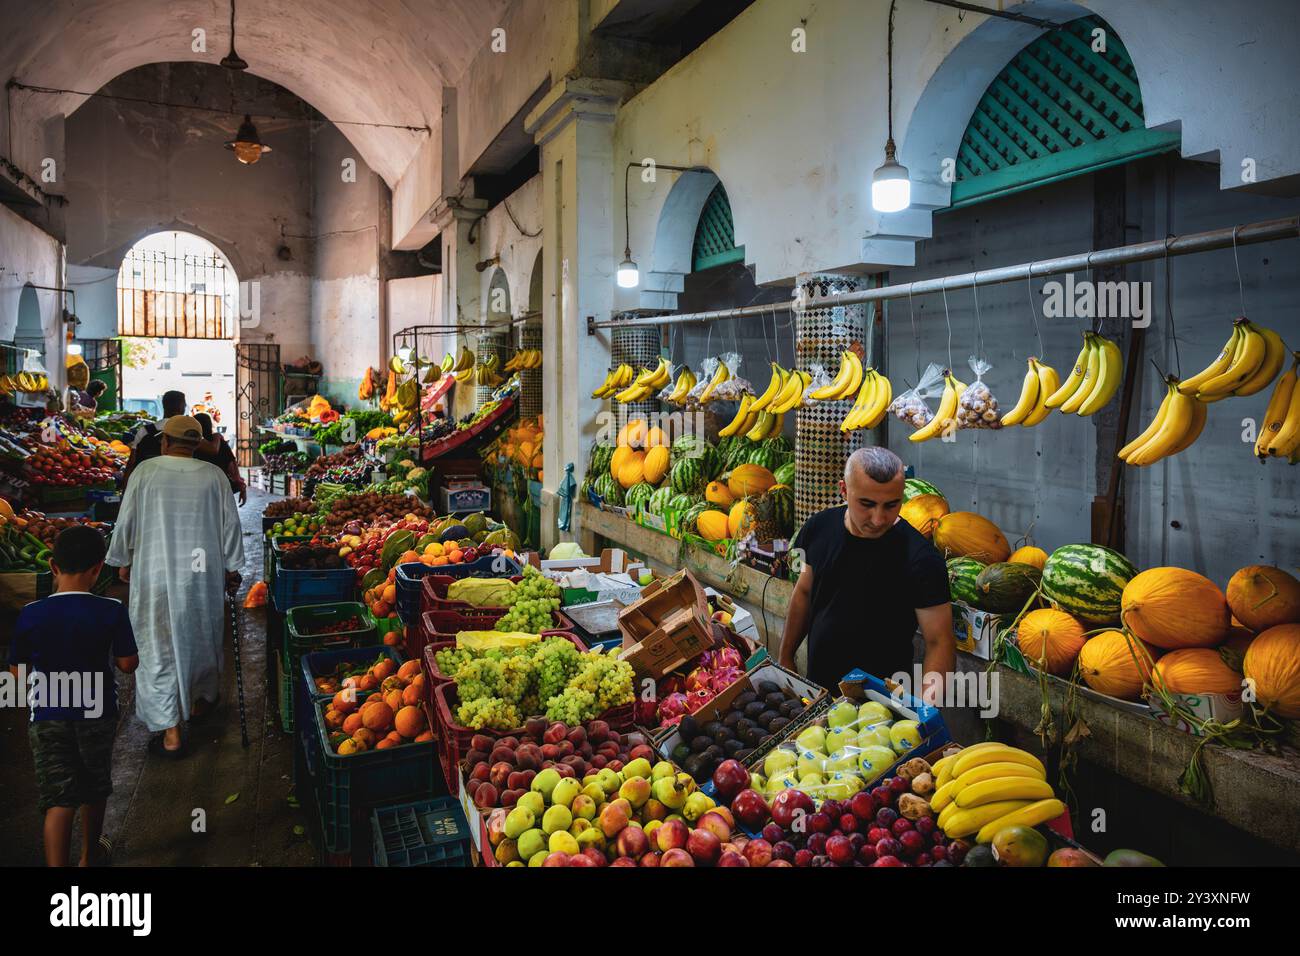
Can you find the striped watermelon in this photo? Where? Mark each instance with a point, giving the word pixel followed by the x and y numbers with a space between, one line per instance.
pixel 913 487
pixel 710 463
pixel 687 477
pixel 639 494
pixel 962 573
pixel 682 502
pixel 785 474
pixel 688 446
pixel 659 500
pixel 607 487
pixel 1087 581
pixel 767 457
pixel 738 453
pixel 724 446
pixel 687 522
pixel 779 444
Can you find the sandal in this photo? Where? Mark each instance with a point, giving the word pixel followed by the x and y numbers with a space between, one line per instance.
pixel 104 854
pixel 207 712
pixel 157 747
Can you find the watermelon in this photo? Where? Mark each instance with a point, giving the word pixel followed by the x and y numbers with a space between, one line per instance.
pixel 687 477
pixel 586 486
pixel 766 457
pixel 779 444
pixel 688 446
pixel 659 500
pixel 724 446
pixel 777 508
pixel 785 474
pixel 682 502
pixel 639 494
pixel 601 454
pixel 687 522
pixel 1087 581
pixel 913 487
pixel 609 489
pixel 1005 588
pixel 738 453
pixel 962 573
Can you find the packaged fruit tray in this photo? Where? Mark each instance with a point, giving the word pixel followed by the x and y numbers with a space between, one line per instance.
pixel 743 722
pixel 442 626
pixel 426 833
pixel 355 783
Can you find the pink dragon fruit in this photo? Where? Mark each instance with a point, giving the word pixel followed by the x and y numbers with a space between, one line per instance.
pixel 697 680
pixel 645 712
pixel 672 684
pixel 673 706
pixel 727 657
pixel 699 698
pixel 723 678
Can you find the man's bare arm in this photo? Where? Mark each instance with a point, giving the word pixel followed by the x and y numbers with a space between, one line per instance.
pixel 940 650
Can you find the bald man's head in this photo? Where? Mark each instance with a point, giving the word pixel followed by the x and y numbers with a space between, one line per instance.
pixel 873 491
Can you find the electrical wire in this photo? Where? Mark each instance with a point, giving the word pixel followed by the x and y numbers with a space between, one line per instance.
pixel 522 231
pixel 947 318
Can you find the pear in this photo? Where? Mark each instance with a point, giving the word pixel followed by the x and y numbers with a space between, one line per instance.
pixel 565 791
pixel 843 714
pixel 583 807
pixel 662 769
pixel 842 761
pixel 530 843
pixel 545 782
pixel 518 821
pixel 778 760
pixel 592 837
pixel 594 792
pixel 874 712
pixel 636 790
pixel 535 802
pixel 812 738
pixel 697 804
pixel 786 778
pixel 840 737
pixel 810 761
pixel 609 780
pixel 905 735
pixel 562 841
pixel 579 826
pixel 669 792
pixel 874 760
pixel 640 767
pixel 555 819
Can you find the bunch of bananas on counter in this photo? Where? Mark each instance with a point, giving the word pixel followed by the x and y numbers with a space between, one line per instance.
pixel 1092 383
pixel 525 358
pixel 1247 363
pixel 686 381
pixel 29 382
pixel 983 788
pixel 1279 435
pixel 847 380
pixel 945 417
pixel 872 404
pixel 1040 384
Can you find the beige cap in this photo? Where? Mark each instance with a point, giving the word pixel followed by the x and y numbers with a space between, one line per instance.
pixel 182 426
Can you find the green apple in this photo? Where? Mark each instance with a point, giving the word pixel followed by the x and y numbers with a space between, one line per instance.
pixel 874 760
pixel 905 736
pixel 535 801
pixel 640 767
pixel 843 761
pixel 583 807
pixel 877 734
pixel 810 761
pixel 874 712
pixel 562 841
pixel 780 781
pixel 556 818
pixel 843 714
pixel 662 769
pixel 841 786
pixel 840 737
pixel 519 820
pixel 565 791
pixel 811 783
pixel 609 780
pixel 697 804
pixel 778 760
pixel 812 738
pixel 757 782
pixel 531 842
pixel 545 782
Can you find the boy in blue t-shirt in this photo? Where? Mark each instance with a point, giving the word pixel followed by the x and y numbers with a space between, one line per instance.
pixel 65 645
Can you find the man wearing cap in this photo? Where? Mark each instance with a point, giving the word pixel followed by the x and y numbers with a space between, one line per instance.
pixel 179 543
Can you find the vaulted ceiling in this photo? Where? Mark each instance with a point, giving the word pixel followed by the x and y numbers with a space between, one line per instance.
pixel 384 61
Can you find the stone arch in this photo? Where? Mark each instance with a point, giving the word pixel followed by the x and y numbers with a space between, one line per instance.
pixel 670 261
pixel 230 292
pixel 496 301
pixel 535 284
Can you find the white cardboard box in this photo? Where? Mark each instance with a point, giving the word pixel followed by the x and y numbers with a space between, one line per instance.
pixel 1219 707
pixel 974 630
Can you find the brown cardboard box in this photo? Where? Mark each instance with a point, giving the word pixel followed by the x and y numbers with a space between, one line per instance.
pixel 667 627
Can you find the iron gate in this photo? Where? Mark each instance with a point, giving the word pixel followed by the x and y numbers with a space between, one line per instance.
pixel 257 396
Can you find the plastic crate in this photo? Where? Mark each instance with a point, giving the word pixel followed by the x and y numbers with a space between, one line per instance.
pixel 433 596
pixel 408 579
pixel 441 626
pixel 427 833
pixel 300 620
pixel 433 674
pixel 271 555
pixel 293 588
pixel 348 788
pixel 320 663
pixel 488 566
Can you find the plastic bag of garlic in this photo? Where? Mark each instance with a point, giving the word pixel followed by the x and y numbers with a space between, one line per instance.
pixel 977 407
pixel 911 406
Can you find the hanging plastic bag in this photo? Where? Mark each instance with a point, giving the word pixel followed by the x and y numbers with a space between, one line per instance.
pixel 911 407
pixel 977 408
pixel 669 392
pixel 732 388
pixel 820 379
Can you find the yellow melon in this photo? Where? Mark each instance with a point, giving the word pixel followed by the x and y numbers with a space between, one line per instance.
pixel 622 454
pixel 740 519
pixel 633 470
pixel 745 480
pixel 712 525
pixel 656 464
pixel 719 494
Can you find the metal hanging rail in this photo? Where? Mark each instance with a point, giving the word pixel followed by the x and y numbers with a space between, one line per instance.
pixel 1225 238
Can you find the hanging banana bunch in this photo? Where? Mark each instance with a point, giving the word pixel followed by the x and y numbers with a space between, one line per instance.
pixel 873 402
pixel 847 380
pixel 1247 363
pixel 524 359
pixel 615 380
pixel 685 382
pixel 1096 377
pixel 945 417
pixel 746 418
pixel 1279 434
pixel 1040 383
pixel 720 375
pixel 1179 421
pixel 648 383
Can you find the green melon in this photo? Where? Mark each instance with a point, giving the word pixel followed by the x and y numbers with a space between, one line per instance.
pixel 682 502
pixel 913 487
pixel 639 494
pixel 785 474
pixel 659 500
pixel 779 444
pixel 601 455
pixel 1087 581
pixel 738 453
pixel 1005 588
pixel 962 573
pixel 767 457
pixel 609 489
pixel 687 477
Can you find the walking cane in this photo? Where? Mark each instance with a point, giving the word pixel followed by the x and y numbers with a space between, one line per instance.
pixel 239 674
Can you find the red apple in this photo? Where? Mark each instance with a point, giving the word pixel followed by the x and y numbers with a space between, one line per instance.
pixel 758 852
pixel 787 805
pixel 653 858
pixel 732 858
pixel 595 856
pixel 556 859
pixel 672 835
pixel 705 848
pixel 582 860
pixel 715 824
pixel 751 810
pixel 632 842
pixel 729 779
pixel 839 850
pixel 676 857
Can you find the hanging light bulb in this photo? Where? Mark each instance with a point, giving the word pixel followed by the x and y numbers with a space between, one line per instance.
pixel 74 348
pixel 247 145
pixel 891 189
pixel 628 274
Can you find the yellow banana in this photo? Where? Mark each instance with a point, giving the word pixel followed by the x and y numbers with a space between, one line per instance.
pixel 1030 816
pixel 1278 405
pixel 989 771
pixel 1151 430
pixel 1275 354
pixel 741 415
pixel 878 404
pixel 829 391
pixel 1028 401
pixel 1003 788
pixel 464 376
pixel 793 395
pixel 793 383
pixel 448 363
pixel 856 374
pixel 1048 382
pixel 773 388
pixel 662 375
pixel 1190 386
pixel 466 359
pixel 947 408
pixel 1109 375
pixel 1178 419
pixel 1287 439
pixel 1090 373
pixel 865 394
pixel 720 375
pixel 1072 381
pixel 602 389
pixel 970 757
pixel 1245 363
pixel 1199 414
pixel 764 424
pixel 964 822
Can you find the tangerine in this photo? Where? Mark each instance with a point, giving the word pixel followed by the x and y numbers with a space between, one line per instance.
pixel 411 695
pixel 409 670
pixel 377 716
pixel 394 699
pixel 345 701
pixel 368 682
pixel 390 591
pixel 409 721
pixel 427 735
pixel 391 639
pixel 351 724
pixel 384 668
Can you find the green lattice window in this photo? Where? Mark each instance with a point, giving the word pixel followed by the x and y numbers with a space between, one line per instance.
pixel 715 236
pixel 1058 109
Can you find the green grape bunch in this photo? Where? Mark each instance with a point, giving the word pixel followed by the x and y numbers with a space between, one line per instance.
pixel 488 712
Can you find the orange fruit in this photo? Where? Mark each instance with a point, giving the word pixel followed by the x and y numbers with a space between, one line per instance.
pixel 351 724
pixel 409 721
pixel 409 670
pixel 394 736
pixel 367 683
pixel 427 735
pixel 333 719
pixel 411 695
pixel 456 555
pixel 390 591
pixel 391 682
pixel 408 556
pixel 367 737
pixel 392 639
pixel 378 716
pixel 440 561
pixel 384 669
pixel 394 699
pixel 427 560
pixel 385 744
pixel 345 701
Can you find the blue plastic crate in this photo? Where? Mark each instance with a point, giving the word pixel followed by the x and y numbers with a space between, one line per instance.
pixel 605 645
pixel 295 588
pixel 318 663
pixel 348 788
pixel 428 833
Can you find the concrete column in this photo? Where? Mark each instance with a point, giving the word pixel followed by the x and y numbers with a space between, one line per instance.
pixel 460 287
pixel 574 126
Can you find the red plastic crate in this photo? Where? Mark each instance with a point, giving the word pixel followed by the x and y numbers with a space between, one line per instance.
pixel 441 626
pixel 433 596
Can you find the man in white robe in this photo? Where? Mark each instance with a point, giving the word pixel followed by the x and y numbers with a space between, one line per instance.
pixel 179 543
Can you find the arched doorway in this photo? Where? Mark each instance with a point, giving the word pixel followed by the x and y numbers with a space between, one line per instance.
pixel 178 308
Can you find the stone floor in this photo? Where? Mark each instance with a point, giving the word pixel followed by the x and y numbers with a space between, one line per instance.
pixel 249 814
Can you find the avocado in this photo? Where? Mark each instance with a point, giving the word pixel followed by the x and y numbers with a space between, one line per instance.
pixel 715 754
pixel 743 755
pixel 766 717
pixel 743 725
pixel 774 701
pixel 766 687
pixel 790 708
pixel 696 765
pixel 752 710
pixel 748 697
pixel 688 727
pixel 733 717
pixel 754 736
pixel 980 855
pixel 711 728
pixel 701 744
pixel 453 533
pixel 732 747
pixel 681 753
pixel 778 725
pixel 723 734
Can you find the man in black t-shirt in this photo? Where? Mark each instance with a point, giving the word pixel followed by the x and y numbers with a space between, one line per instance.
pixel 868 579
pixel 148 437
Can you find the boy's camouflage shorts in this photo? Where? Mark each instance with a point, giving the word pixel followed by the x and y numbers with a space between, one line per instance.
pixel 74 761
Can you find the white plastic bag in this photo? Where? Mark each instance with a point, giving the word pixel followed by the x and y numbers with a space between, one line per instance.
pixel 911 407
pixel 820 379
pixel 977 407
pixel 735 387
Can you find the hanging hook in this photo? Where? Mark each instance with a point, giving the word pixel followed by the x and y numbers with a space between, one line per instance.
pixel 943 286
pixel 1169 308
pixel 1241 292
pixel 979 326
pixel 1033 312
pixel 916 339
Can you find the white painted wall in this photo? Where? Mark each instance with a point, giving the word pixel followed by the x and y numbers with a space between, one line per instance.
pixel 498 236
pixel 28 255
